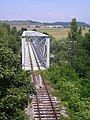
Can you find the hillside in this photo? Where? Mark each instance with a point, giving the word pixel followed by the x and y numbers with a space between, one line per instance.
pixel 67 24
pixel 30 22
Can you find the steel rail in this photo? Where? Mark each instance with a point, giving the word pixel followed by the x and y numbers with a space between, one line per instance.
pixel 33 75
pixel 44 84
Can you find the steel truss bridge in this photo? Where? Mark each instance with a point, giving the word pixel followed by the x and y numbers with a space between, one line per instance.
pixel 35 56
pixel 41 45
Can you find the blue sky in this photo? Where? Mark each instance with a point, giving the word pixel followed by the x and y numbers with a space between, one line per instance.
pixel 45 10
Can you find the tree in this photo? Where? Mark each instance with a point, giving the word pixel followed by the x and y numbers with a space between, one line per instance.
pixel 72 39
pixel 15 84
pixel 4 37
pixel 14 30
pixel 82 61
pixel 6 26
pixel 21 31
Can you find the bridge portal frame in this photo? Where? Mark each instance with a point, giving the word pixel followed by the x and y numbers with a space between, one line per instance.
pixel 26 37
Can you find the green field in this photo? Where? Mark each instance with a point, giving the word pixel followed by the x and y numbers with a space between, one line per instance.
pixel 57 33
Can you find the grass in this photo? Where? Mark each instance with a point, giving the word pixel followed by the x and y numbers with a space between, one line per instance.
pixel 57 33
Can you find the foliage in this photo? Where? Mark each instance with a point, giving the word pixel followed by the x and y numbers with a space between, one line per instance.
pixel 21 31
pixel 82 60
pixel 58 49
pixel 73 30
pixel 15 84
pixel 69 73
pixel 69 89
pixel 73 36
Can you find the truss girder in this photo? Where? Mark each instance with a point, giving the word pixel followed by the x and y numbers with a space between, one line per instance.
pixel 41 45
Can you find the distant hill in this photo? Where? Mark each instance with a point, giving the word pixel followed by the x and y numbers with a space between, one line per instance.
pixel 30 22
pixel 21 22
pixel 67 24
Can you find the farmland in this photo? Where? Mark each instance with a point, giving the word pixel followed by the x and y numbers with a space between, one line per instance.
pixel 57 33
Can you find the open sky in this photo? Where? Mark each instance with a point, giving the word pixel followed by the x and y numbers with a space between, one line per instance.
pixel 45 10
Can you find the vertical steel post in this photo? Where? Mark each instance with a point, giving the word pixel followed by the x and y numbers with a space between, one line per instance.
pixel 23 52
pixel 48 52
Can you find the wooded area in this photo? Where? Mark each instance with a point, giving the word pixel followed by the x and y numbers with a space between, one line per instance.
pixel 69 73
pixel 15 84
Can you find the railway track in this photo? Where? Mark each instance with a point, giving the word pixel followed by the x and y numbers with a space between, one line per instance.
pixel 45 106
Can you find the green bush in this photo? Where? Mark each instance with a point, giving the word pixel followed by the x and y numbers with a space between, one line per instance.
pixel 69 89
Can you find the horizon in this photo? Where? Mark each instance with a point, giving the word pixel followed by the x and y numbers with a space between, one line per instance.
pixel 42 21
pixel 45 11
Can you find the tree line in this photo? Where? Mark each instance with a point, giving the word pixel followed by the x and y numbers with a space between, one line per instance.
pixel 69 73
pixel 15 84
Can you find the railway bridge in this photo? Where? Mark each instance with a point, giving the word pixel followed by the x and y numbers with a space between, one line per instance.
pixel 41 45
pixel 36 56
